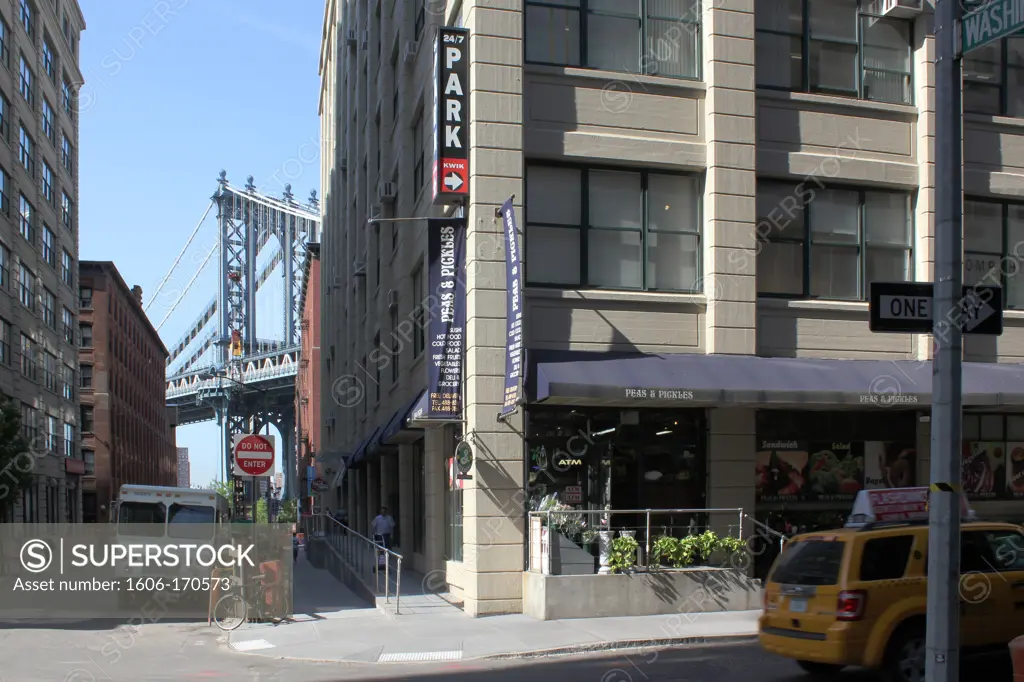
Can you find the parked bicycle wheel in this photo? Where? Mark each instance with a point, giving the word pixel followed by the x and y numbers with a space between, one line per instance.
pixel 230 611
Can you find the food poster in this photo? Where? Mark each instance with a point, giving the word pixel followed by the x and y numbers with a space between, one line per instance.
pixel 781 471
pixel 983 469
pixel 835 471
pixel 889 464
pixel 1015 469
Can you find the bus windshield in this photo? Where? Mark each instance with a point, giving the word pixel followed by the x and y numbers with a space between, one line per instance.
pixel 191 521
pixel 146 518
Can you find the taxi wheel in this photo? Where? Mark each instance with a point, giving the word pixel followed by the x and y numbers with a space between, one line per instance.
pixel 820 669
pixel 904 661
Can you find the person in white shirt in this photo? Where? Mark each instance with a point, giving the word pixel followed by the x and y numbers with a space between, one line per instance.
pixel 382 526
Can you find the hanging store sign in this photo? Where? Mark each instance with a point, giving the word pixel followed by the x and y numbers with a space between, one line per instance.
pixel 451 115
pixel 513 309
pixel 446 326
pixel 464 459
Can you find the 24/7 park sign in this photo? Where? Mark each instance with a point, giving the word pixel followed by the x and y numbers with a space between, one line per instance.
pixel 451 115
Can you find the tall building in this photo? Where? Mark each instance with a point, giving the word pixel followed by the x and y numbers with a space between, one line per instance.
pixel 704 195
pixel 307 381
pixel 39 45
pixel 184 469
pixel 125 427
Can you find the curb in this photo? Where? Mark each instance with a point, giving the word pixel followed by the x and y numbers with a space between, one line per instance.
pixel 626 645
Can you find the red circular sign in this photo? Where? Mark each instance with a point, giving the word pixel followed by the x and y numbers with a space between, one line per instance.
pixel 254 455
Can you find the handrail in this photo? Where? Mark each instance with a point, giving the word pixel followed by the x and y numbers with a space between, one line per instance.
pixel 771 531
pixel 352 555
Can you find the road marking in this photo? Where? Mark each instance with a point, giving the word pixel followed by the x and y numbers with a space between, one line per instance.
pixel 252 645
pixel 421 656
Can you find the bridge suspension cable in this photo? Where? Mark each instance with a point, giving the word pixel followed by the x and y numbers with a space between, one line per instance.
pixel 177 260
pixel 188 286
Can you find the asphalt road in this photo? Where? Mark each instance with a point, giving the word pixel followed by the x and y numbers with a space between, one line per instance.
pixel 93 652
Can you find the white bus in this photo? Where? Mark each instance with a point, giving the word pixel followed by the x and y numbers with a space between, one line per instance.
pixel 171 512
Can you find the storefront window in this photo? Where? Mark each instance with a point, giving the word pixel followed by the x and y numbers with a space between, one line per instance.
pixel 619 460
pixel 453 505
pixel 993 456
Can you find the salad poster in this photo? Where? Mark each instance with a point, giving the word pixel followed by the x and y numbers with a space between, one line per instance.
pixel 835 471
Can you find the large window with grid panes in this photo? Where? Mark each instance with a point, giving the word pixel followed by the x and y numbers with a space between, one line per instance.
pixel 836 47
pixel 994 79
pixel 612 228
pixel 826 242
pixel 994 245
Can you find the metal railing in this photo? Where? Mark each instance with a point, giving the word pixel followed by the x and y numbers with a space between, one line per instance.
pixel 364 557
pixel 579 532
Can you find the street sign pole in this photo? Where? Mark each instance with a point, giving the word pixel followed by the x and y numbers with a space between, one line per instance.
pixel 942 656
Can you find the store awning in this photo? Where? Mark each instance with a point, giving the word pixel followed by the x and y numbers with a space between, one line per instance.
pixel 417 417
pixel 398 422
pixel 584 378
pixel 360 452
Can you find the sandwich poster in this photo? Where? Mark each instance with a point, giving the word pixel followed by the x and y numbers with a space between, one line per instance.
pixel 781 470
pixel 889 464
pixel 983 469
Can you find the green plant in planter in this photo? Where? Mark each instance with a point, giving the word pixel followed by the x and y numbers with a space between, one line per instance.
pixel 731 545
pixel 700 547
pixel 623 555
pixel 673 550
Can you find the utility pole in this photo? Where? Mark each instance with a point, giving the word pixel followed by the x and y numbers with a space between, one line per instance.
pixel 942 655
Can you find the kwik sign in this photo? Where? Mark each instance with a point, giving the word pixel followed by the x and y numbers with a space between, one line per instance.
pixel 451 115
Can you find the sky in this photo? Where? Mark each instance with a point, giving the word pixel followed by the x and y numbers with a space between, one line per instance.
pixel 175 91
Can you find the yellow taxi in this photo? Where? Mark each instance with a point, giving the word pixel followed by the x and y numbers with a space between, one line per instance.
pixel 856 596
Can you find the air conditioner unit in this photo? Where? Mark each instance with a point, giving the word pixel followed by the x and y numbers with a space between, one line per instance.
pixel 350 38
pixel 343 166
pixel 411 48
pixel 900 9
pixel 387 192
pixel 338 282
pixel 329 421
pixel 376 210
pixel 359 268
pixel 366 40
pixel 392 299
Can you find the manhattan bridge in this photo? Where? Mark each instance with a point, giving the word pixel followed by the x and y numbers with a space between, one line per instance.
pixel 221 368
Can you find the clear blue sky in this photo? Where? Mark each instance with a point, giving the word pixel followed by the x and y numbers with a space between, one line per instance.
pixel 168 102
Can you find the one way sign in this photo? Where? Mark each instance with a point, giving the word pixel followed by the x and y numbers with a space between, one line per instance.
pixel 909 307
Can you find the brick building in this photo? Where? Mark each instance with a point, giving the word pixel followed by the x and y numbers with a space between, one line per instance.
pixel 307 383
pixel 125 431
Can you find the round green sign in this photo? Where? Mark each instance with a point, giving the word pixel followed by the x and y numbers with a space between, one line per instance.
pixel 464 457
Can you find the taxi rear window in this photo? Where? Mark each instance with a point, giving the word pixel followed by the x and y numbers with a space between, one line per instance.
pixel 810 562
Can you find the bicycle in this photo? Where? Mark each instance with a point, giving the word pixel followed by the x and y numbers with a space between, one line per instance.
pixel 232 609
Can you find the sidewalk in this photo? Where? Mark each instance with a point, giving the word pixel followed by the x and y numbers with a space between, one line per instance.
pixel 333 625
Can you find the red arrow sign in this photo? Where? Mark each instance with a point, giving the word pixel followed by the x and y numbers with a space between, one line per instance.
pixel 254 455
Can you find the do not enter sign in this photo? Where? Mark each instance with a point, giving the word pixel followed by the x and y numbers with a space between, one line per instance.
pixel 254 454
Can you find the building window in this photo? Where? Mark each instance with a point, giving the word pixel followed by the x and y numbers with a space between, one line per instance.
pixel 993 233
pixel 376 247
pixel 89 456
pixel 69 440
pixel 829 243
pixel 49 309
pixel 25 287
pixel 65 210
pixel 5 343
pixel 66 151
pixel 85 376
pixel 419 302
pixel 85 330
pixel 25 222
pixel 86 419
pixel 833 46
pixel 65 27
pixel 395 81
pixel 68 325
pixel 29 426
pixel 994 79
pixel 396 346
pixel 25 80
pixel 652 38
pixel 48 129
pixel 49 247
pixel 85 298
pixel 66 97
pixel 67 382
pixel 25 151
pixel 26 16
pixel 5 108
pixel 50 371
pixel 419 498
pixel 376 368
pixel 5 50
pixel 48 64
pixel 67 266
pixel 612 229
pixel 28 357
pixel 5 267
pixel 421 19
pixel 48 193
pixel 419 151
